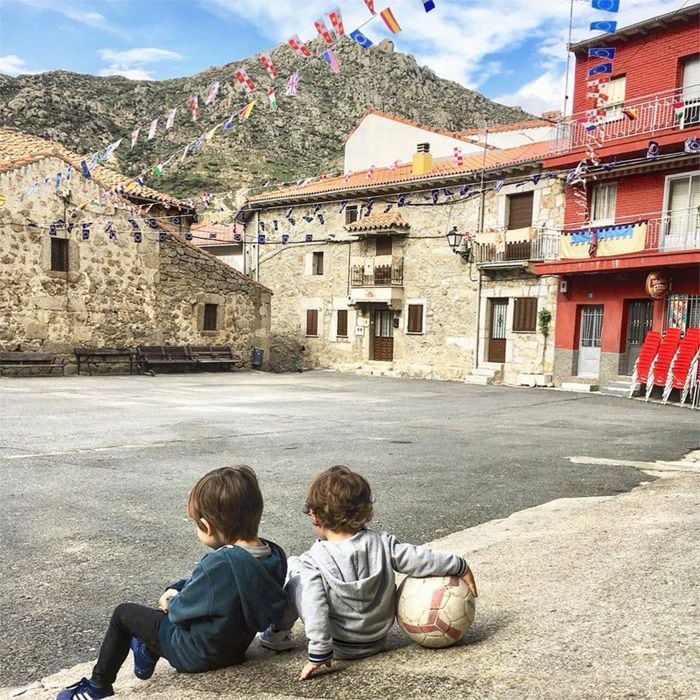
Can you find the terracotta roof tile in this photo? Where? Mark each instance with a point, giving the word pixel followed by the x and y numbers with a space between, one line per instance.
pixel 500 128
pixel 379 177
pixel 18 148
pixel 376 222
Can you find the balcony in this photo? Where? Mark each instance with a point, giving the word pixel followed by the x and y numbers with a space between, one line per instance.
pixel 376 280
pixel 544 246
pixel 674 232
pixel 672 109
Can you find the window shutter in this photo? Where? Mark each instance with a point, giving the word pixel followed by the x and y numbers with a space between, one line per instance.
pixel 691 79
pixel 520 210
pixel 525 315
pixel 383 245
pixel 342 322
pixel 415 318
pixel 312 322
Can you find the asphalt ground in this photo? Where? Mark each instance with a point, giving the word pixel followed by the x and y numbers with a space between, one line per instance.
pixel 96 471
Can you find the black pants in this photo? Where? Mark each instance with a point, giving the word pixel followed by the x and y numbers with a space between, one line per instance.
pixel 128 620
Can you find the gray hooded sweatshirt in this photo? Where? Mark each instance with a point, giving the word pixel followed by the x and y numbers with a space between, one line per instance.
pixel 349 590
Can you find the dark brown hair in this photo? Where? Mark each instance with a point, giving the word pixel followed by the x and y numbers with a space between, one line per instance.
pixel 340 499
pixel 229 499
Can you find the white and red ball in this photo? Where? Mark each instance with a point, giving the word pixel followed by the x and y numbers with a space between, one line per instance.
pixel 435 611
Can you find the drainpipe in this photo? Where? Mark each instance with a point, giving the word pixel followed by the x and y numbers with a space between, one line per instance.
pixel 257 247
pixel 480 229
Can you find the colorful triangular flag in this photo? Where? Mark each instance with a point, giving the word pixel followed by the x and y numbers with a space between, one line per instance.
pixel 292 84
pixel 336 20
pixel 390 21
pixel 171 119
pixel 152 129
pixel 246 111
pixel 361 39
pixel 266 60
pixel 271 95
pixel 332 60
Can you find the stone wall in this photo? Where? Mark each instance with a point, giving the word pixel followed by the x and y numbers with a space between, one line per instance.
pixel 114 292
pixel 446 286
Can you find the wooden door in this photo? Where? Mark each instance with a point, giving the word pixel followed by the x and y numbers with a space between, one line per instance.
pixel 383 335
pixel 639 321
pixel 498 310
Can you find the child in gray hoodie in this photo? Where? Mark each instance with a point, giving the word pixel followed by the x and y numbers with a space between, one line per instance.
pixel 344 587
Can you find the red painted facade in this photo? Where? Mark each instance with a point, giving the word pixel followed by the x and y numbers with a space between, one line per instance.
pixel 651 56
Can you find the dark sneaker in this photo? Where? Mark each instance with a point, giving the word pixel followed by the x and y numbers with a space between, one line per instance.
pixel 277 641
pixel 144 663
pixel 85 689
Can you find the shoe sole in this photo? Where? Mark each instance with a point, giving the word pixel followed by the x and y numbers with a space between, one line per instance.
pixel 278 647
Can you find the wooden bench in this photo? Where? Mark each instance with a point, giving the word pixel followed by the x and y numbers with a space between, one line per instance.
pixel 31 360
pixel 92 357
pixel 207 355
pixel 149 356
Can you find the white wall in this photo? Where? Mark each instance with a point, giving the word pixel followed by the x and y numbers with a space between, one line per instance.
pixel 231 255
pixel 380 141
pixel 512 139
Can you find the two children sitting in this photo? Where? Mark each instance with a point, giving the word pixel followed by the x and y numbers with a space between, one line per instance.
pixel 343 588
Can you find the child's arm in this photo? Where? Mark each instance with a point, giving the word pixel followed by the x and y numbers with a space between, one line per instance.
pixel 419 561
pixel 172 590
pixel 314 608
pixel 194 600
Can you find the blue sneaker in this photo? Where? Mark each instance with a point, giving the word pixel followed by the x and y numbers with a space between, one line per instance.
pixel 85 689
pixel 144 663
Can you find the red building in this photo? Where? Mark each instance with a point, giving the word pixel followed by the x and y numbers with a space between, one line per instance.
pixel 630 250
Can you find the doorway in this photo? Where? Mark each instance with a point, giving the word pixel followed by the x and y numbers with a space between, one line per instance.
pixel 639 322
pixel 498 312
pixel 382 329
pixel 591 332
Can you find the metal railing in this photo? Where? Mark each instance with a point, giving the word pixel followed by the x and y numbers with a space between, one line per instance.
pixel 371 275
pixel 545 246
pixel 668 231
pixel 679 109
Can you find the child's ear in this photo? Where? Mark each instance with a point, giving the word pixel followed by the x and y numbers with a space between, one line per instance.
pixel 206 527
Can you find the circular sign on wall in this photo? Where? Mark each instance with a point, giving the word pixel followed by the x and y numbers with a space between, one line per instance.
pixel 658 285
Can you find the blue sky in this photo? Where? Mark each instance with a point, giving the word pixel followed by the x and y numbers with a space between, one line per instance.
pixel 510 50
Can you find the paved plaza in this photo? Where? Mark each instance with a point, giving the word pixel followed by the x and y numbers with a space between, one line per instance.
pixel 96 470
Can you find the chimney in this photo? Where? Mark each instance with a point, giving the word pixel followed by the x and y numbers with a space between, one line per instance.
pixel 422 160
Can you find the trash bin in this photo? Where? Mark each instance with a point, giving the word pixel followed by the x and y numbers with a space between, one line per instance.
pixel 256 357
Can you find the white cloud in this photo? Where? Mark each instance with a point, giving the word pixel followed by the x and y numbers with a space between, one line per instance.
pixel 133 63
pixel 81 14
pixel 542 94
pixel 12 64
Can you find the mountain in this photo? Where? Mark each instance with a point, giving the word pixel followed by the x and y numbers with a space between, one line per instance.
pixel 303 138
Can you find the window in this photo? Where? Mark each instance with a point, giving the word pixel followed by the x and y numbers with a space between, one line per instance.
pixel 383 245
pixel 603 200
pixel 525 315
pixel 616 96
pixel 682 211
pixel 520 210
pixel 317 264
pixel 210 316
pixel 59 255
pixel 342 323
pixel 691 91
pixel 351 214
pixel 415 318
pixel 682 311
pixel 312 322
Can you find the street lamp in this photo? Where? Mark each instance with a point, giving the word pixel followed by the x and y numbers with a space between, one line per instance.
pixel 460 243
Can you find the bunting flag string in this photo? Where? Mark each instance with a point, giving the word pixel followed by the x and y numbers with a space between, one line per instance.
pixel 332 60
pixel 322 29
pixel 370 6
pixel 193 104
pixel 336 19
pixel 299 46
pixel 213 92
pixel 272 97
pixel 152 129
pixel 360 38
pixel 171 119
pixel 292 84
pixel 388 16
pixel 244 80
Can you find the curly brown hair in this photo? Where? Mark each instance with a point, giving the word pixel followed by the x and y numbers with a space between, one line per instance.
pixel 341 500
pixel 229 499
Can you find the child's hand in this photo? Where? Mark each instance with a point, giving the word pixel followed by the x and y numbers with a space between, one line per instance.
pixel 468 578
pixel 310 669
pixel 164 600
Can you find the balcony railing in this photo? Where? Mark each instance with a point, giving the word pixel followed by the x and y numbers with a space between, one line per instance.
pixel 666 232
pixel 371 275
pixel 544 247
pixel 673 109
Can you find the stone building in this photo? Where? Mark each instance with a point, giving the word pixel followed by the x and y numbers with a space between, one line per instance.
pixel 84 261
pixel 420 269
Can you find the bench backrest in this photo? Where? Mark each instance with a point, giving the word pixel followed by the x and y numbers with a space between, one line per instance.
pixel 164 352
pixel 212 352
pixel 27 357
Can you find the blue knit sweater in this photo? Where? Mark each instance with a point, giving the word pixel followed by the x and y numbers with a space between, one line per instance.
pixel 230 596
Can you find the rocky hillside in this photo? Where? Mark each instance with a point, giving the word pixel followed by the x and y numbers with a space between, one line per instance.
pixel 303 138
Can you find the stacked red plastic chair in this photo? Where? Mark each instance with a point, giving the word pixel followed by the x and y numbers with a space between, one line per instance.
pixel 647 353
pixel 664 357
pixel 679 374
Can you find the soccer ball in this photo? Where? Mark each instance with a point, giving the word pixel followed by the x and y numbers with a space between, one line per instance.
pixel 436 611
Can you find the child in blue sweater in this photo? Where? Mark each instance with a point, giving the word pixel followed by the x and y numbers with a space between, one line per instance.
pixel 208 620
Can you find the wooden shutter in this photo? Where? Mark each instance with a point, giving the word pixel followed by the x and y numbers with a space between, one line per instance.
pixel 525 315
pixel 520 210
pixel 415 318
pixel 383 245
pixel 210 314
pixel 312 322
pixel 342 322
